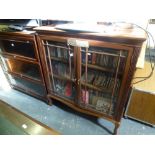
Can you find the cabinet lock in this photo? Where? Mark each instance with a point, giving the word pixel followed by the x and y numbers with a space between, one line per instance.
pixel 78 43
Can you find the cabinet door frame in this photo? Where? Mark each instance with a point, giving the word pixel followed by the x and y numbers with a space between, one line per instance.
pixel 27 91
pixel 45 66
pixel 96 43
pixel 124 75
pixel 22 75
pixel 27 39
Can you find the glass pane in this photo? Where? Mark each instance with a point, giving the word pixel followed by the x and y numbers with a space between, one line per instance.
pixel 62 69
pixel 60 59
pixel 21 67
pixel 101 76
pixel 104 57
pixel 18 47
pixel 64 88
pixel 27 85
pixel 96 100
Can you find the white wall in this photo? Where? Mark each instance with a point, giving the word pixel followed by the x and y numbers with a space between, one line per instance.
pixel 79 10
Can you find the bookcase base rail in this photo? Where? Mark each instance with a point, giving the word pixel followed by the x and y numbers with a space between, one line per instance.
pixel 85 111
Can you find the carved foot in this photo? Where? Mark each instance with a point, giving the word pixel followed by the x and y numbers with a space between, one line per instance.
pixel 116 128
pixel 49 101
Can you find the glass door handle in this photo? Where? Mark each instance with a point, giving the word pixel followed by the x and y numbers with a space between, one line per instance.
pixel 78 81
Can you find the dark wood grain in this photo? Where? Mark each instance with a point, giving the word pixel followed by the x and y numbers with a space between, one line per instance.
pixel 125 41
pixel 24 37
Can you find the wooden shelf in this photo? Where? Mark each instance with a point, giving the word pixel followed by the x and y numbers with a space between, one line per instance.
pixel 19 57
pixel 62 78
pixel 26 77
pixel 100 68
pixel 59 59
pixel 88 65
pixel 96 88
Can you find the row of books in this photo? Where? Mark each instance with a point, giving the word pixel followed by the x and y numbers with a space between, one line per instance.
pixel 102 80
pixel 59 52
pixel 93 58
pixel 99 102
pixel 102 60
pixel 64 88
pixel 62 69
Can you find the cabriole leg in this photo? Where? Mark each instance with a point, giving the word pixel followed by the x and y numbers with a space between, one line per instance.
pixel 50 102
pixel 116 128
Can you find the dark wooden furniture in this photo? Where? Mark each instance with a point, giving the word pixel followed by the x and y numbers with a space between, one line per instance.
pixel 141 104
pixel 90 72
pixel 21 64
pixel 24 122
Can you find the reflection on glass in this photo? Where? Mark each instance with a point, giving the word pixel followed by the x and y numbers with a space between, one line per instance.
pixel 101 76
pixel 21 67
pixel 60 59
pixel 96 100
pixel 64 88
pixel 18 47
pixel 27 85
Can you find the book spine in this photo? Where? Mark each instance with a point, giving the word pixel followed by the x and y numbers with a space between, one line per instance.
pixel 58 52
pixel 93 58
pixel 85 97
pixel 68 89
pixel 83 57
pixel 89 58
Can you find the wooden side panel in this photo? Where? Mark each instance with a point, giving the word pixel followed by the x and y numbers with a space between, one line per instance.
pixel 142 106
pixel 127 84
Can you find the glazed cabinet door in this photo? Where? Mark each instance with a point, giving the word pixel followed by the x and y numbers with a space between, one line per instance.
pixel 21 68
pixel 27 86
pixel 61 65
pixel 101 76
pixel 18 47
pixel 20 62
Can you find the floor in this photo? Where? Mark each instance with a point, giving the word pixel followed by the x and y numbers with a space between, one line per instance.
pixel 8 128
pixel 68 121
pixel 65 120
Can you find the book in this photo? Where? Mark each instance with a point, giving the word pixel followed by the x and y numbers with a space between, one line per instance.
pixel 94 58
pixel 83 55
pixel 90 77
pixel 104 80
pixel 122 64
pixel 89 58
pixel 85 96
pixel 52 51
pixel 68 89
pixel 66 54
pixel 98 59
pixel 94 100
pixel 98 80
pixel 58 52
pixel 103 103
